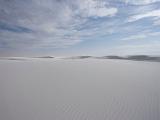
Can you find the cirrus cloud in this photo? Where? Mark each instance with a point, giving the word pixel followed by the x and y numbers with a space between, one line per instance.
pixel 140 2
pixel 47 23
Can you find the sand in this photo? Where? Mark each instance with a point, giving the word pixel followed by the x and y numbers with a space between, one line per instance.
pixel 87 89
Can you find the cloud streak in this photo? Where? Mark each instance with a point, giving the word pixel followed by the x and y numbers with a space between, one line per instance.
pixel 140 2
pixel 154 13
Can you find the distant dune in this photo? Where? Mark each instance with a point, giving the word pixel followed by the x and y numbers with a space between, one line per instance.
pixel 131 57
pixel 45 57
pixel 79 57
pixel 14 58
pixel 137 58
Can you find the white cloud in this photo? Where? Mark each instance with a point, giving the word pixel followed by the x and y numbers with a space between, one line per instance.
pixel 157 22
pixel 53 22
pixel 134 37
pixel 154 13
pixel 95 8
pixel 142 35
pixel 63 23
pixel 140 2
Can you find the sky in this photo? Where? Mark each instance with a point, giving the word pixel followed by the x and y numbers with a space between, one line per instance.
pixel 79 27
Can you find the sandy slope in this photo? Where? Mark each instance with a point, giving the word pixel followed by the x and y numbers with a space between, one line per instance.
pixel 79 90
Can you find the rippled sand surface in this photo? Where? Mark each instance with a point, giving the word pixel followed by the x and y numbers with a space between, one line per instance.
pixel 88 89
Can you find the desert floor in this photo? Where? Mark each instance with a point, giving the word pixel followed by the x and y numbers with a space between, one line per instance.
pixel 87 89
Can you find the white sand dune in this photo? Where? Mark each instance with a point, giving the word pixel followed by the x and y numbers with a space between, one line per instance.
pixel 87 89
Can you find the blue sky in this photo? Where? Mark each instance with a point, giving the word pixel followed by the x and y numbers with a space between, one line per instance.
pixel 79 27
